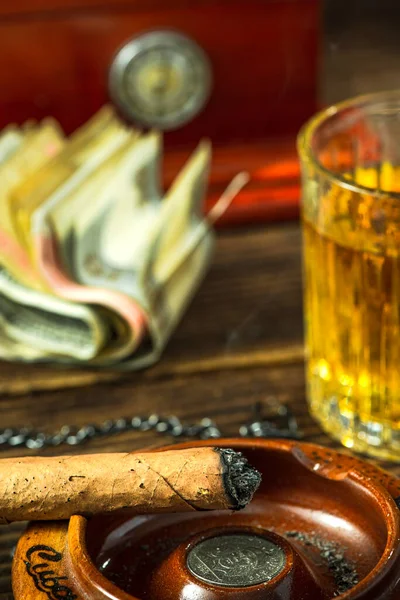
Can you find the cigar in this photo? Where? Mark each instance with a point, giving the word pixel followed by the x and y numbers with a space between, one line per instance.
pixel 41 488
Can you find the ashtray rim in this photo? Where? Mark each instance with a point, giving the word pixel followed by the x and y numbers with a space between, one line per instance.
pixel 85 569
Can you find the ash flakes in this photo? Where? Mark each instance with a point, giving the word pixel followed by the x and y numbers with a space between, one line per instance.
pixel 343 571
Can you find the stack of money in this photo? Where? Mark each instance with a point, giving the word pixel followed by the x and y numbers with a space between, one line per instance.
pixel 96 264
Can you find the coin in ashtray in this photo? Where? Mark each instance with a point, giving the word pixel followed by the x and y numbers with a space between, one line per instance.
pixel 236 560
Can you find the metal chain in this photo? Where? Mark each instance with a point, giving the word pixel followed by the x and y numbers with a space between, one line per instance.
pixel 283 424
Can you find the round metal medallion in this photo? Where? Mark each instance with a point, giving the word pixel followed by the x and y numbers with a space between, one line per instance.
pixel 160 79
pixel 237 560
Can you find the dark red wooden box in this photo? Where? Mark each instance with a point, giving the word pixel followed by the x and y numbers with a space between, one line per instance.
pixel 55 56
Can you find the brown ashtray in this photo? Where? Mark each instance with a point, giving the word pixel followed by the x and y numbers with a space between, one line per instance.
pixel 323 525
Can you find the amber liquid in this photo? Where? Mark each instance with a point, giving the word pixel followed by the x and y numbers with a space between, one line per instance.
pixel 352 316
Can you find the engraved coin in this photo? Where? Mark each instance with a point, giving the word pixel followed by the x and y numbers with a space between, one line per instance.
pixel 160 79
pixel 237 560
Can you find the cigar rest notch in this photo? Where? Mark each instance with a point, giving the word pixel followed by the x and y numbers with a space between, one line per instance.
pixel 310 496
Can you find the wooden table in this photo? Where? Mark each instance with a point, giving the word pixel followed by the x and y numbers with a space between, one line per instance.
pixel 240 342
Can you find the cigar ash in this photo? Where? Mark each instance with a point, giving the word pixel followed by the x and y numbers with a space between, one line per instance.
pixel 240 479
pixel 333 556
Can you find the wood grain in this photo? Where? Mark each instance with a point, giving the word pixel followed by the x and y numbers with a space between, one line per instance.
pixel 43 7
pixel 263 55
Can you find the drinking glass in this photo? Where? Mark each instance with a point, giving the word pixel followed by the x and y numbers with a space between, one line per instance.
pixel 350 157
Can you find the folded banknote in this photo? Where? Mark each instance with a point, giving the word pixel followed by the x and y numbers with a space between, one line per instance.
pixel 97 263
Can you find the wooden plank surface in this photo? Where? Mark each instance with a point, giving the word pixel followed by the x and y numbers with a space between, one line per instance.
pixel 239 343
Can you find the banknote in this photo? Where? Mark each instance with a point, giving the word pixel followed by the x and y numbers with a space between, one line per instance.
pixel 10 140
pixel 67 309
pixel 10 350
pixel 88 157
pixel 97 263
pixel 84 152
pixel 36 181
pixel 174 256
pixel 133 240
pixel 115 178
pixel 38 145
pixel 48 324
pixel 110 142
pixel 129 321
pixel 126 197
pixel 179 255
pixel 14 142
pixel 32 183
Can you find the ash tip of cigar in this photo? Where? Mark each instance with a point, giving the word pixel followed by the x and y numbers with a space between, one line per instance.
pixel 241 480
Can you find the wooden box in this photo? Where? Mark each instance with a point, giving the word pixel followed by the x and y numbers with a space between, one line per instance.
pixel 55 58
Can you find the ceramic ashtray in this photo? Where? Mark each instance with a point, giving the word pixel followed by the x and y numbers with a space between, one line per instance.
pixel 322 525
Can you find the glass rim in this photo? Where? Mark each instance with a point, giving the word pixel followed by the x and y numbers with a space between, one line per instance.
pixel 310 127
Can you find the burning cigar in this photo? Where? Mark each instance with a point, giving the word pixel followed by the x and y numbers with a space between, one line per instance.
pixel 56 488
